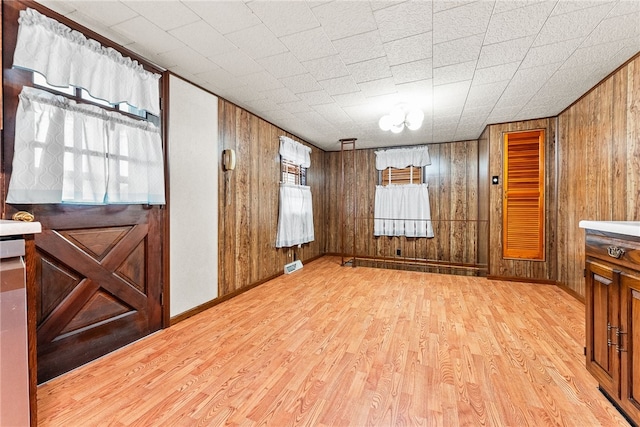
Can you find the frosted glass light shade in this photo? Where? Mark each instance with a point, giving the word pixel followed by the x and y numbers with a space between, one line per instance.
pixel 385 122
pixel 397 128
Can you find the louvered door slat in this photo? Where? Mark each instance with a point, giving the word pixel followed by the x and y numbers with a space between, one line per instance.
pixel 523 201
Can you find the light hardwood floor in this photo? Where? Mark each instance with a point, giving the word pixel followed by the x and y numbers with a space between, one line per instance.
pixel 341 346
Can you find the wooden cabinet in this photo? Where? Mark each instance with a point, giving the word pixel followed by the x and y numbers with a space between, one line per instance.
pixel 613 316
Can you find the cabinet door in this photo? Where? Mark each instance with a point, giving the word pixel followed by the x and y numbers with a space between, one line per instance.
pixel 630 345
pixel 602 290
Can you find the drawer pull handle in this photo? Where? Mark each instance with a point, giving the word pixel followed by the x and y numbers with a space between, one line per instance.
pixel 615 252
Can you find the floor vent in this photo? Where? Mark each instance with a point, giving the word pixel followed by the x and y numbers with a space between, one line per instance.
pixel 292 266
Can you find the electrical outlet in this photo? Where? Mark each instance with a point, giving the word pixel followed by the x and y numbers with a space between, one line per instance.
pixel 398 252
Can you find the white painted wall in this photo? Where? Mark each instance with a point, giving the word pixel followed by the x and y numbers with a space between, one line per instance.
pixel 193 195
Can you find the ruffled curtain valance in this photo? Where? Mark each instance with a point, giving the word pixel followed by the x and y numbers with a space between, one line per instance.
pixel 66 57
pixel 67 152
pixel 295 152
pixel 402 157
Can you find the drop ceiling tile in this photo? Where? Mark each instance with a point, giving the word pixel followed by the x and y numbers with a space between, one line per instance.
pixel 141 31
pixel 344 19
pixel 350 99
pixel 457 51
pixel 464 21
pixel 165 14
pixel 373 69
pixel 203 38
pixel 624 8
pixel 496 73
pixel 282 65
pixel 530 80
pixel 257 42
pixel 60 6
pixel 260 105
pixel 564 7
pixel 450 94
pixel 317 97
pixel 591 55
pixel 301 83
pixel 363 114
pixel 409 49
pixel 221 78
pixel 325 68
pixel 360 47
pixel 515 102
pixel 614 29
pixel 261 81
pixel 378 87
pixel 332 113
pixel 110 33
pixel 476 114
pixel 412 71
pixel 313 118
pixel 504 52
pixel 224 16
pixel 571 25
pixel 280 95
pixel 246 94
pixel 550 53
pixel 419 92
pixel 310 44
pixel 107 13
pixel 279 115
pixel 485 95
pixel 237 62
pixel 296 107
pixel 404 20
pixel 186 58
pixel 284 18
pixel 441 6
pixel 454 73
pixel 518 23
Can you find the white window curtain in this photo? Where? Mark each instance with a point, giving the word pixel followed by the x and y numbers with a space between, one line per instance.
pixel 295 214
pixel 402 210
pixel 295 152
pixel 402 157
pixel 66 57
pixel 67 152
pixel 295 218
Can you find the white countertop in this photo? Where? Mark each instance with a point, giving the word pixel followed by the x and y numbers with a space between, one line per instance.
pixel 630 228
pixel 16 228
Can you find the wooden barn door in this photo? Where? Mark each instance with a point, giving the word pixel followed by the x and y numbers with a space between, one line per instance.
pixel 99 275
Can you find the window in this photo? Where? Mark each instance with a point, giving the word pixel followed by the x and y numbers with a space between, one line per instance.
pixel 292 173
pixel 523 196
pixel 408 175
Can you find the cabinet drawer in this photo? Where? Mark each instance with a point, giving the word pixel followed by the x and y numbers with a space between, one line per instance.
pixel 625 252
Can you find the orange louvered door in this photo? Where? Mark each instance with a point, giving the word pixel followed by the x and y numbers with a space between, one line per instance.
pixel 523 196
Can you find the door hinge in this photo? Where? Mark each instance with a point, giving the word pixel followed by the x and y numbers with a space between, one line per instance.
pixel 584 272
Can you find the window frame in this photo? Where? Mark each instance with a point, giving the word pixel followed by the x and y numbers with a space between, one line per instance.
pixel 385 177
pixel 290 173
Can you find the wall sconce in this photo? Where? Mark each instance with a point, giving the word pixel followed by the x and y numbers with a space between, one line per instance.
pixel 401 116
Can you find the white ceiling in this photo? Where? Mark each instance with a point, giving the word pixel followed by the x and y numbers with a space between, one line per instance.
pixel 329 70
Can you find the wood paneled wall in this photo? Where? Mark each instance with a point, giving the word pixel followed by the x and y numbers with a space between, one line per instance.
pixel 484 198
pixel 453 195
pixel 598 165
pixel 248 200
pixel 509 268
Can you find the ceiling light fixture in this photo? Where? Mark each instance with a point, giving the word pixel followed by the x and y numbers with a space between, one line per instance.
pixel 401 116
